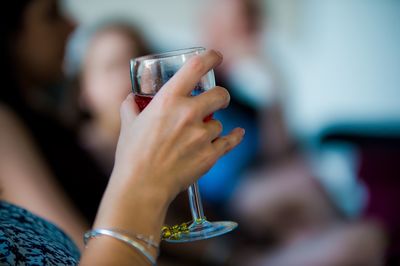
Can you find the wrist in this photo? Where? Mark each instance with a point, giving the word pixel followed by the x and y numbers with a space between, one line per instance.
pixel 137 208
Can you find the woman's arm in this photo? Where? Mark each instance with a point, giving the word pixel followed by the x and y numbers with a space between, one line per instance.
pixel 26 181
pixel 160 153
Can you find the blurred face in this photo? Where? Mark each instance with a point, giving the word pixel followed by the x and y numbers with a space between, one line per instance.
pixel 230 28
pixel 40 44
pixel 106 81
pixel 226 22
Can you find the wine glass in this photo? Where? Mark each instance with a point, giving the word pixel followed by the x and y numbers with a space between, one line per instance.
pixel 148 74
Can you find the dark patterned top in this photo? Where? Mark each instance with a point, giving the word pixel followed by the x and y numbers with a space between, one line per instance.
pixel 26 239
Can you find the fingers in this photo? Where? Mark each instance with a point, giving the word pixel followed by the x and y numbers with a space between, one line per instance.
pixel 214 129
pixel 224 144
pixel 129 109
pixel 212 100
pixel 190 74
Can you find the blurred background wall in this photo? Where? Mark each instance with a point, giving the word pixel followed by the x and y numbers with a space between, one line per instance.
pixel 167 24
pixel 339 60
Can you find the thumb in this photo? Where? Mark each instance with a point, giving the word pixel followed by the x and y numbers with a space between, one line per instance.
pixel 129 110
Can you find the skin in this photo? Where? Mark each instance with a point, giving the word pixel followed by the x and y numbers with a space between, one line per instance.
pixel 105 78
pixel 229 28
pixel 192 146
pixel 105 83
pixel 40 44
pixel 38 57
pixel 183 147
pixel 25 179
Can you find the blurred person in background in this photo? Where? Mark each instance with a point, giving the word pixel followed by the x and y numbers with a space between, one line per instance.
pixel 331 201
pixel 138 194
pixel 236 27
pixel 311 211
pixel 32 66
pixel 103 81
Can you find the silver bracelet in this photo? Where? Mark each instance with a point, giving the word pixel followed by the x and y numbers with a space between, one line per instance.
pixel 126 239
pixel 148 240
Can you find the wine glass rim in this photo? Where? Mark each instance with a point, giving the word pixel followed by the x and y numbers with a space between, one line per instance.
pixel 173 53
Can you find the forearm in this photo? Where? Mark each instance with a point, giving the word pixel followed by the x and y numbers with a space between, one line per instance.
pixel 138 211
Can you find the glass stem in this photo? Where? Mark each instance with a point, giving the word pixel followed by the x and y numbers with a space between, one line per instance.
pixel 196 206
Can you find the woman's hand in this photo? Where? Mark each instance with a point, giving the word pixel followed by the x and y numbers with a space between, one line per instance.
pixel 169 146
pixel 160 152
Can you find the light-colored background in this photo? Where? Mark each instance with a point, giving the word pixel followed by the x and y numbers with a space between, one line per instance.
pixel 339 59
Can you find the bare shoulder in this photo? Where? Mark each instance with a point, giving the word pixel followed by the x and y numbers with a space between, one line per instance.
pixel 11 127
pixel 15 138
pixel 7 115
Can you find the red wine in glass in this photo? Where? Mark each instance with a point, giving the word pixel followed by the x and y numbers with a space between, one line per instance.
pixel 143 101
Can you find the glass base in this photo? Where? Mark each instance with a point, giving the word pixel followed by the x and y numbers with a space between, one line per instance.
pixel 204 230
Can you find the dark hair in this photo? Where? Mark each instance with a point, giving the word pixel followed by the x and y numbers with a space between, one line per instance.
pixel 253 10
pixel 11 22
pixel 80 41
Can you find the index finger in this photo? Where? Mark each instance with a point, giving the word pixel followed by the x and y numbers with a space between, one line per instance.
pixel 212 100
pixel 186 79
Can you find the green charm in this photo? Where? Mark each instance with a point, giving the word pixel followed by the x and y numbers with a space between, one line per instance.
pixel 174 232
